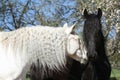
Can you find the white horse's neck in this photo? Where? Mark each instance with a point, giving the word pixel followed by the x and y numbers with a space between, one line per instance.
pixel 31 44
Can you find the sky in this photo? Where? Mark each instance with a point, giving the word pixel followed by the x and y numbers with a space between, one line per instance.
pixel 64 9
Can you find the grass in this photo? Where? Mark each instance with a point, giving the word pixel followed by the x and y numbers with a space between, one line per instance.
pixel 115 74
pixel 27 79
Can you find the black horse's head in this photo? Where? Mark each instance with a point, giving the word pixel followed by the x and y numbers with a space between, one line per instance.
pixel 92 33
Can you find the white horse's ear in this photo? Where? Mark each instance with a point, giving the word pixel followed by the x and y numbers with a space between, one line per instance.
pixel 72 44
pixel 65 25
pixel 70 29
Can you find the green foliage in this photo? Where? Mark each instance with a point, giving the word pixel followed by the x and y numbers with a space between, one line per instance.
pixel 115 61
pixel 115 57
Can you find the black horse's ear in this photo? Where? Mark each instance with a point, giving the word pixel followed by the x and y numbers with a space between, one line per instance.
pixel 85 13
pixel 99 13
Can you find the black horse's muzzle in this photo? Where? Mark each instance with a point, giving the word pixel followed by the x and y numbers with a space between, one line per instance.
pixel 92 56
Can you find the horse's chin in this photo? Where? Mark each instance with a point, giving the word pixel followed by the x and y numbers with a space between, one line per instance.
pixel 83 61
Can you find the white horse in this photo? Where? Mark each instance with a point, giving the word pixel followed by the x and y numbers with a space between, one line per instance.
pixel 22 47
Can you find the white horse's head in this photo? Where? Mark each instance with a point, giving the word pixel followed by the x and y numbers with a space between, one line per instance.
pixel 75 46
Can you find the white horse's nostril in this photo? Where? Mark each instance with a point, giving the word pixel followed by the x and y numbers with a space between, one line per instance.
pixel 82 57
pixel 79 53
pixel 83 61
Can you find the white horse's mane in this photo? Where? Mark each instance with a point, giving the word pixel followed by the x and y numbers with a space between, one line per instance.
pixel 20 48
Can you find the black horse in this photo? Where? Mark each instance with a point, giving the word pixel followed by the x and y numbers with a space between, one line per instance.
pixel 98 67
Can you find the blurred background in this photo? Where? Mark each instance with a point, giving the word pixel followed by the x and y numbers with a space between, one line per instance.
pixel 15 14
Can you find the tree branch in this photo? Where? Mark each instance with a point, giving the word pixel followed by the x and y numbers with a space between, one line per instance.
pixel 13 16
pixel 23 12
